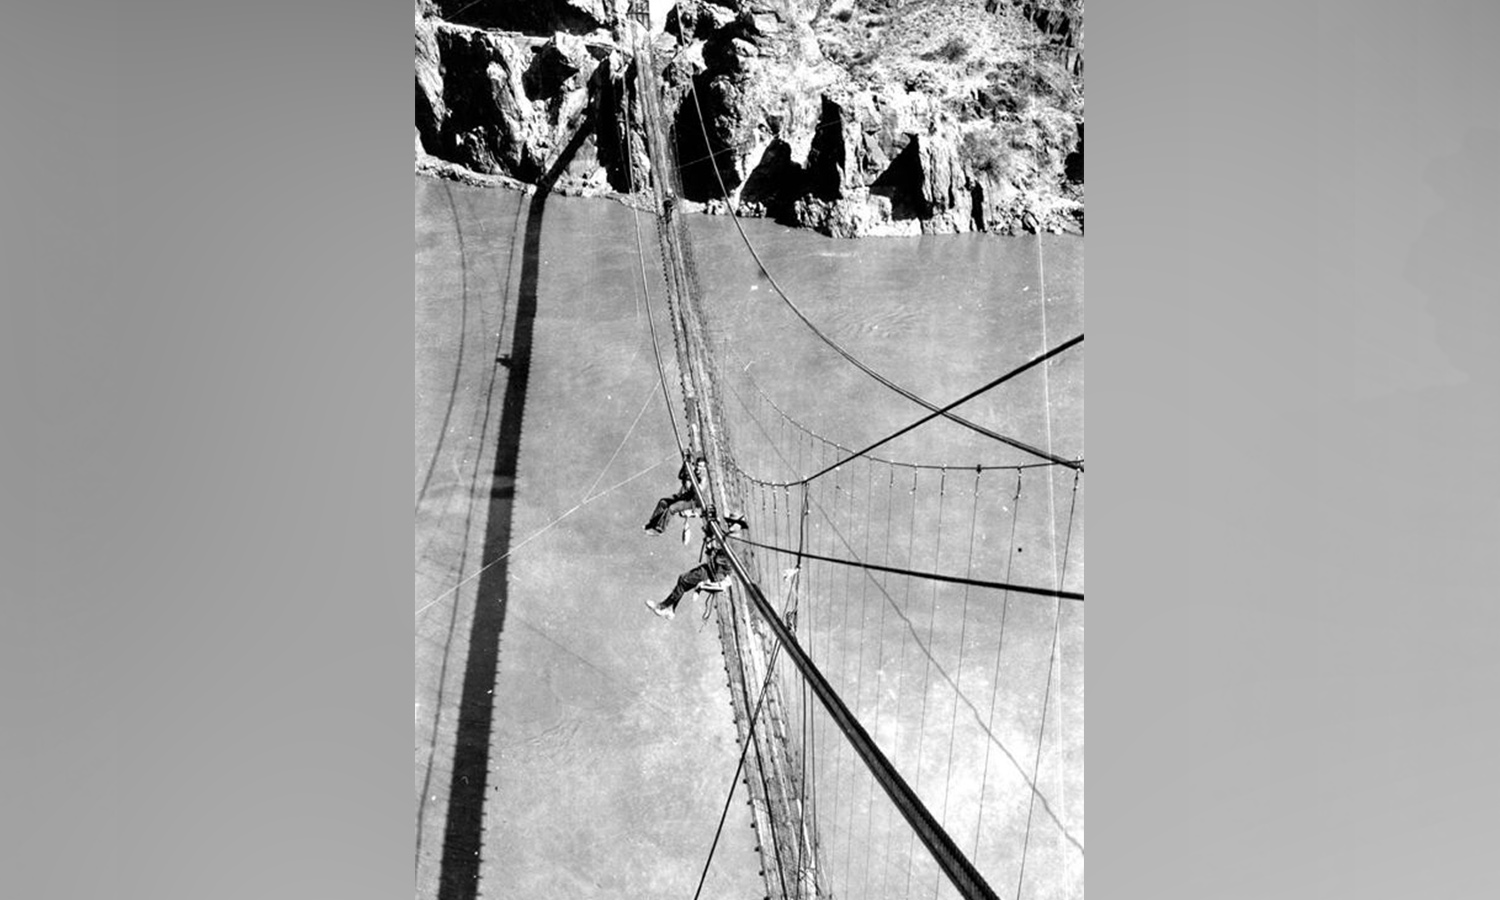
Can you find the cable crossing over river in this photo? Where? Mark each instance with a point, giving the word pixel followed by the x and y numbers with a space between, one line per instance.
pixel 934 670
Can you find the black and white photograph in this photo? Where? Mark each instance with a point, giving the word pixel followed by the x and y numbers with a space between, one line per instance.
pixel 750 449
pixel 742 345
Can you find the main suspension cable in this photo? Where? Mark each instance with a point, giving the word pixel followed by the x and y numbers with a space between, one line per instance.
pixel 855 361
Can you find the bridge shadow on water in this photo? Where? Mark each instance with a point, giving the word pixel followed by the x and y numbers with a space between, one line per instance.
pixel 464 831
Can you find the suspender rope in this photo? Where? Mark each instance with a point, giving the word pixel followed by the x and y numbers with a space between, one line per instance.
pixel 955 865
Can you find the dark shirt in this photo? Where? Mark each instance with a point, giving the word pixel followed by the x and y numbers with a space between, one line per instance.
pixel 718 563
pixel 685 478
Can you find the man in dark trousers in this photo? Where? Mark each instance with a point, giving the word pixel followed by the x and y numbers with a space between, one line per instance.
pixel 685 499
pixel 710 575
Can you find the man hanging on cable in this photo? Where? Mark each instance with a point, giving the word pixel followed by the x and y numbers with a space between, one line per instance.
pixel 685 501
pixel 711 575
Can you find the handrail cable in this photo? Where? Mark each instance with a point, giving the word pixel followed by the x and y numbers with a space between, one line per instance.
pixel 930 576
pixel 952 860
pixel 949 857
pixel 739 767
pixel 699 490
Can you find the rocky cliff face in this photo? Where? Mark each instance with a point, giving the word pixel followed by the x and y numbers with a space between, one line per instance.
pixel 855 117
pixel 508 103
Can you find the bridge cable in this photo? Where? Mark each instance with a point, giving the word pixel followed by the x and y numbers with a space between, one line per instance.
pixel 938 411
pixel 859 679
pixel 677 438
pixel 960 401
pixel 844 660
pixel 730 148
pixel 739 767
pixel 959 869
pixel 723 189
pixel 1051 660
pixel 806 694
pixel 760 764
pixel 842 602
pixel 706 503
pixel 788 419
pixel 661 371
pixel 879 668
pixel 937 554
pixel 911 544
pixel 1015 515
pixel 962 632
pixel 825 443
pixel 929 576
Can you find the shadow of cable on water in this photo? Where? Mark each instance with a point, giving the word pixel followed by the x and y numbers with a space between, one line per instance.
pixel 464 831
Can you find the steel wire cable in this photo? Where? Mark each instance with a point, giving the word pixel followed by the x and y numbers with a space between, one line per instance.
pixel 835 345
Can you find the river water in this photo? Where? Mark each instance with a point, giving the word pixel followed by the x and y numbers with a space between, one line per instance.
pixel 567 741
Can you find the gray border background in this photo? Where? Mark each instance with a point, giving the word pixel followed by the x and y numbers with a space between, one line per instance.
pixel 205 371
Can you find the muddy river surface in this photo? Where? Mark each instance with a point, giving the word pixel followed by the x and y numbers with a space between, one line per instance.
pixel 567 742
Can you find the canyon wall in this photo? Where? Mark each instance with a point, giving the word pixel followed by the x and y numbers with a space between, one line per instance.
pixel 854 117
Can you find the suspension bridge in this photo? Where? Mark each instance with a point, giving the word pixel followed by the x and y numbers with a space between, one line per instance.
pixel 812 592
pixel 903 636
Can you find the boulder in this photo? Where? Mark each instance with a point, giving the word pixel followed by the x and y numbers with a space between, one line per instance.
pixel 555 64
